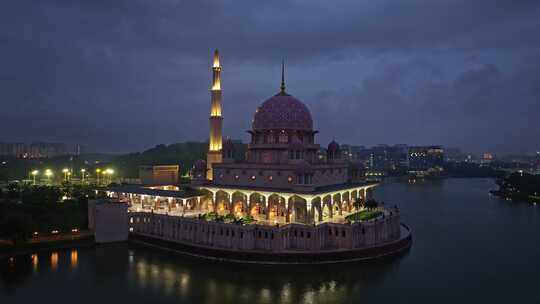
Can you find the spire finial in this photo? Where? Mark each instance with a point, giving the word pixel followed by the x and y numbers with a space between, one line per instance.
pixel 216 59
pixel 283 76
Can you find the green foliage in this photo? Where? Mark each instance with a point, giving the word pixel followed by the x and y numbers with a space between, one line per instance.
pixel 466 169
pixel 523 182
pixel 520 186
pixel 17 227
pixel 228 218
pixel 358 203
pixel 363 215
pixel 183 154
pixel 248 219
pixel 39 208
pixel 371 204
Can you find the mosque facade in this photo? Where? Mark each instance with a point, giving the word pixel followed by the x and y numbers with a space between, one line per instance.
pixel 281 185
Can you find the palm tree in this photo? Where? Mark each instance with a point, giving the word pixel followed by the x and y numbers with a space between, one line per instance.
pixel 357 204
pixel 371 204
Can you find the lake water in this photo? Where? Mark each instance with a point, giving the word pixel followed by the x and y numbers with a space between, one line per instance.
pixel 468 247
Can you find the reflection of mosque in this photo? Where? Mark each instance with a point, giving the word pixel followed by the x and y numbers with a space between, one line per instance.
pixel 139 274
pixel 202 282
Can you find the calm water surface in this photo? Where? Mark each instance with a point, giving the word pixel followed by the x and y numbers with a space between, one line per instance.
pixel 468 247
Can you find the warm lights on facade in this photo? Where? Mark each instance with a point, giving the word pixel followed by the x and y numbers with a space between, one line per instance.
pixel 215 141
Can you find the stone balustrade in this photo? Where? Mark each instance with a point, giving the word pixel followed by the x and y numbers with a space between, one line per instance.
pixel 266 238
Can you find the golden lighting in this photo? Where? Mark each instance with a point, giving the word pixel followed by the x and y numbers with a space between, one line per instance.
pixel 215 146
pixel 216 60
pixel 74 258
pixel 217 85
pixel 216 110
pixel 35 261
pixel 54 260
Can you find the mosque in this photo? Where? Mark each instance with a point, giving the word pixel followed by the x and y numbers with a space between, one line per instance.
pixel 289 193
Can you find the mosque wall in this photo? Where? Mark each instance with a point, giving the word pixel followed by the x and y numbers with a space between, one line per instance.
pixel 297 237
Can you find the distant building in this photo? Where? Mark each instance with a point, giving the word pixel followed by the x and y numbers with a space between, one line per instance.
pixel 350 152
pixel 80 149
pixel 384 158
pixel 423 158
pixel 46 150
pixel 487 158
pixel 159 175
pixel 13 149
pixel 454 155
pixel 34 150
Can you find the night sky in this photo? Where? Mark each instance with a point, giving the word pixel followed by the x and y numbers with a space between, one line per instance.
pixel 125 75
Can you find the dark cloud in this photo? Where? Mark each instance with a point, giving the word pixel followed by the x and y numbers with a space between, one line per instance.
pixel 128 74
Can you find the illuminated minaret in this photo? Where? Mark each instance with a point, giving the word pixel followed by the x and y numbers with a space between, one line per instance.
pixel 216 120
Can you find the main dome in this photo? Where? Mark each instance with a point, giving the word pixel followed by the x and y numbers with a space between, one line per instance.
pixel 283 111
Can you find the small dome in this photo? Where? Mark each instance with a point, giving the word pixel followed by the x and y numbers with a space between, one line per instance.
pixel 283 111
pixel 333 146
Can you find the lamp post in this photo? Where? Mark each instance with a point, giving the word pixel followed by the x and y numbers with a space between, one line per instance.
pixel 82 175
pixel 97 175
pixel 110 173
pixel 48 174
pixel 34 174
pixel 65 171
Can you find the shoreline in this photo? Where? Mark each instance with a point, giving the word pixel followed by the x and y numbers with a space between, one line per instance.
pixel 515 197
pixel 29 248
pixel 389 249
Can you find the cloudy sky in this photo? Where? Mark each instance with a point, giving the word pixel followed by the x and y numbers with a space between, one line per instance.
pixel 125 75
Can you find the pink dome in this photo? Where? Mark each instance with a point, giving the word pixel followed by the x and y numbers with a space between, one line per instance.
pixel 283 111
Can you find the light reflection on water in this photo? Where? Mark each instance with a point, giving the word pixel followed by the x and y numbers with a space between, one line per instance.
pixel 168 276
pixel 174 276
pixel 435 266
pixel 54 260
pixel 74 258
pixel 35 261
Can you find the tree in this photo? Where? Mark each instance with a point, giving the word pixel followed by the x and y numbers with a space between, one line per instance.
pixel 18 227
pixel 358 204
pixel 13 190
pixel 371 204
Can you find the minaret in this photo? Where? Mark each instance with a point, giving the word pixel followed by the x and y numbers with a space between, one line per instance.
pixel 216 120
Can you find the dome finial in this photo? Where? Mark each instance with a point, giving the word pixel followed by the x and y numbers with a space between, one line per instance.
pixel 282 77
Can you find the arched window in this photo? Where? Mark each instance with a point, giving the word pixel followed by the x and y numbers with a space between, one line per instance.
pixel 283 137
pixel 271 139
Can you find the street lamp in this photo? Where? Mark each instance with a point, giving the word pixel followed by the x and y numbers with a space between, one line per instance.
pixel 65 171
pixel 110 172
pixel 98 170
pixel 82 175
pixel 48 174
pixel 34 173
